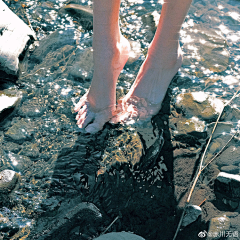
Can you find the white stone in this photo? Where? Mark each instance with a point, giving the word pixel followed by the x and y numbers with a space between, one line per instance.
pixel 191 215
pixel 13 38
pixel 8 179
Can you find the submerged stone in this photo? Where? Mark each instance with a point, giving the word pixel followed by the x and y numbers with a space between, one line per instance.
pixel 199 104
pixel 21 130
pixel 83 14
pixel 126 148
pixel 218 227
pixel 33 107
pixel 184 126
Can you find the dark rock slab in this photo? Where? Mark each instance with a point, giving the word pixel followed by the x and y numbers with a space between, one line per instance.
pixel 68 216
pixel 228 185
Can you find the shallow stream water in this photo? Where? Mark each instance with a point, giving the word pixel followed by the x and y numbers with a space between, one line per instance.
pixel 58 164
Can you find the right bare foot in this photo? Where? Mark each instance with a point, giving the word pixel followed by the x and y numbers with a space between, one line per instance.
pixel 98 105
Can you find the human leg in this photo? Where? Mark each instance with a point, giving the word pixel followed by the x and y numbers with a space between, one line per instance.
pixel 163 60
pixel 110 54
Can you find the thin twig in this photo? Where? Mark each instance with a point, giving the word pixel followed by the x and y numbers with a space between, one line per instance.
pixel 201 164
pixel 110 225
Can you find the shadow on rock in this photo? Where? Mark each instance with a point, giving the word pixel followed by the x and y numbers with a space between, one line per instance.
pixel 119 173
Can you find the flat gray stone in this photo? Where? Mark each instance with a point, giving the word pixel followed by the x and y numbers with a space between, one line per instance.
pixel 218 226
pixel 14 37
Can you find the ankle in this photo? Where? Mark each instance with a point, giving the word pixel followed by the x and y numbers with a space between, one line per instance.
pixel 166 56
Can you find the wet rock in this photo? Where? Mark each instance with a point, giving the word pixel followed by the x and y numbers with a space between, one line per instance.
pixel 126 148
pixel 33 107
pixel 9 100
pixel 15 36
pixel 191 215
pixel 228 185
pixel 83 14
pixel 231 114
pixel 230 169
pixel 29 150
pixel 83 65
pixel 230 156
pixel 119 236
pixel 20 131
pixel 182 126
pixel 221 129
pixel 199 104
pixel 217 227
pixel 8 180
pixel 18 163
pixel 7 228
pixel 211 50
pixel 232 204
pixel 11 147
pixel 217 145
pixel 69 216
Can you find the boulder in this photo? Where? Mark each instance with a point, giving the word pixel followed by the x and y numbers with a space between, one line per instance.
pixel 8 180
pixel 15 35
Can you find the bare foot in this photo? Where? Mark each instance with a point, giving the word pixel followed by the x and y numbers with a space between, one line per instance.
pixel 145 97
pixel 98 105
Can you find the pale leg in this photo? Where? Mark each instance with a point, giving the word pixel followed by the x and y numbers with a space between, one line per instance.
pixel 163 60
pixel 110 54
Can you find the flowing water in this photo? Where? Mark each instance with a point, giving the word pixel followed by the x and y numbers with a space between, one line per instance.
pixel 57 163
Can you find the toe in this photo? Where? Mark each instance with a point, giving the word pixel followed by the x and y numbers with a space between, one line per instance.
pixel 81 112
pixel 80 104
pixel 81 119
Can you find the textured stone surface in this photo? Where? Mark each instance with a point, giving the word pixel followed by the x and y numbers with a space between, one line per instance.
pixel 228 185
pixel 199 104
pixel 218 226
pixel 21 130
pixel 185 126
